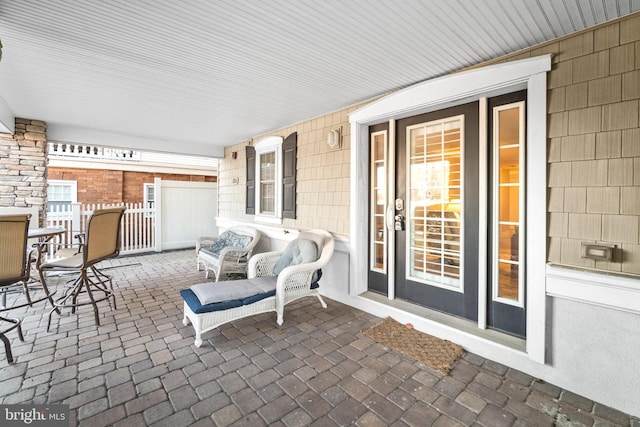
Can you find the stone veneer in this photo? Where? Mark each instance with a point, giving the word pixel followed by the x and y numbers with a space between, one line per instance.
pixel 23 165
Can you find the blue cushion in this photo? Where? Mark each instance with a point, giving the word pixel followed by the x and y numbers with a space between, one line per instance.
pixel 298 251
pixel 227 239
pixel 194 303
pixel 316 278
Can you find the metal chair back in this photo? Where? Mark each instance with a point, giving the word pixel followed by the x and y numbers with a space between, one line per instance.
pixel 13 249
pixel 102 238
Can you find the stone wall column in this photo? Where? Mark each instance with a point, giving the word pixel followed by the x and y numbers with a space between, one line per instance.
pixel 23 166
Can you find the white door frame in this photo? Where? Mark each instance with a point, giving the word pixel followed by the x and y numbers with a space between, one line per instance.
pixel 440 93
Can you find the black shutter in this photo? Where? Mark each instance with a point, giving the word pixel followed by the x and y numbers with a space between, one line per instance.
pixel 289 154
pixel 251 180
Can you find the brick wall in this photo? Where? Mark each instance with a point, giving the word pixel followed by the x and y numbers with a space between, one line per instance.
pixel 134 183
pixel 94 186
pixel 112 186
pixel 23 168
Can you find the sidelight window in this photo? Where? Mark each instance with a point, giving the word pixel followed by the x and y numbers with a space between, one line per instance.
pixel 378 228
pixel 508 206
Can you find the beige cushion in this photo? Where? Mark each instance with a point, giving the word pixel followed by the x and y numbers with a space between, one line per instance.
pixel 211 292
pixel 74 261
pixel 318 239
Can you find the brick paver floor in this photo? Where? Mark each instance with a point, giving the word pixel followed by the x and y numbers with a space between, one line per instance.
pixel 140 367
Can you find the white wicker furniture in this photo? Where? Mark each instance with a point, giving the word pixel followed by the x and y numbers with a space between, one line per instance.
pixel 293 282
pixel 227 254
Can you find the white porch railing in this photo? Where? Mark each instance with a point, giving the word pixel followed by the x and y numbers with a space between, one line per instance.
pixel 137 232
pixel 89 151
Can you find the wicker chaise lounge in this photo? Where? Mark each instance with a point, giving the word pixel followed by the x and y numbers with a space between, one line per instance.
pixel 274 280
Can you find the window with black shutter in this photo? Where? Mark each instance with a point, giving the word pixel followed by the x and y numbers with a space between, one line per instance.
pixel 271 178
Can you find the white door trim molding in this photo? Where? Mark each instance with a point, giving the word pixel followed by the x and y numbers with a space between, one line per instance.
pixel 447 91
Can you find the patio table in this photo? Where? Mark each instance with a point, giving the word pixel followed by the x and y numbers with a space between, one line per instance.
pixel 44 235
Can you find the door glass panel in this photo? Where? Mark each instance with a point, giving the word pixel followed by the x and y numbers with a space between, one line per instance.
pixel 508 281
pixel 508 185
pixel 434 208
pixel 378 231
pixel 509 203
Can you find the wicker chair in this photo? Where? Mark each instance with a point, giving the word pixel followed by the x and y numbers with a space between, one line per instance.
pixel 227 254
pixel 100 242
pixel 15 268
pixel 292 282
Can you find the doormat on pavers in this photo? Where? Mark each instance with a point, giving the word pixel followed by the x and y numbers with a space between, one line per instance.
pixel 432 351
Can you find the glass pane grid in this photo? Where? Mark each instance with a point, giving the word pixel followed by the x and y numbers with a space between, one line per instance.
pixel 268 166
pixel 507 164
pixel 267 197
pixel 57 192
pixel 378 236
pixel 435 188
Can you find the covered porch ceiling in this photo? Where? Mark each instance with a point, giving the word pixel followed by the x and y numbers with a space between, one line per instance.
pixel 193 76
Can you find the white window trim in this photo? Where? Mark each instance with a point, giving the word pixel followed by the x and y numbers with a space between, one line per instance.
pixel 70 183
pixel 145 204
pixel 456 89
pixel 268 145
pixel 146 186
pixel 522 229
pixel 382 181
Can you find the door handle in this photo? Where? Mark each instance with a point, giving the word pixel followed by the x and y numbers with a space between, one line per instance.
pixel 389 216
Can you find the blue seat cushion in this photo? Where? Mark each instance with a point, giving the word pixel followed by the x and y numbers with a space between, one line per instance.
pixel 227 239
pixel 197 307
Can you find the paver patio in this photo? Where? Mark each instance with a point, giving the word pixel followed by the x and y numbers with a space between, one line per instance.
pixel 140 367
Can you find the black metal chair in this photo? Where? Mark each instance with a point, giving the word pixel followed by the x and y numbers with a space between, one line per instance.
pixel 101 241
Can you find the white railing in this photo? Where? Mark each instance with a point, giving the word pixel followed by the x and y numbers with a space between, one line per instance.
pixel 90 151
pixel 137 232
pixel 59 216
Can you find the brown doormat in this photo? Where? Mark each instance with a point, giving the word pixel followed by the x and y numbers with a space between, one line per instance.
pixel 432 351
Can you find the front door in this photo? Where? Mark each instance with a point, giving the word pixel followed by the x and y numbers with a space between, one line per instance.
pixel 436 180
pixel 429 214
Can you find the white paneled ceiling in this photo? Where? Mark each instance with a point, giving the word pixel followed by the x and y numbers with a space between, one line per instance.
pixel 193 76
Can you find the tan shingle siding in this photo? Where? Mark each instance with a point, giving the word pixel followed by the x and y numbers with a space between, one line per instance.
pixel 602 106
pixel 593 137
